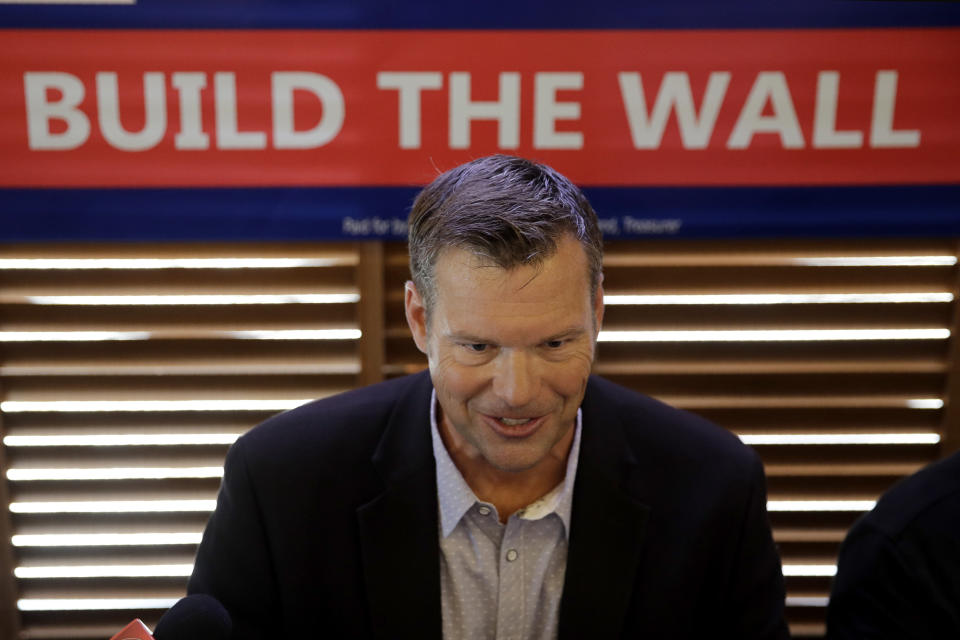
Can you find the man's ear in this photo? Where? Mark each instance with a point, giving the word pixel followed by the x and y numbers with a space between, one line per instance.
pixel 416 314
pixel 598 305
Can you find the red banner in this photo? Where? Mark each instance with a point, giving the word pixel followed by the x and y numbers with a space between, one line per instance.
pixel 328 108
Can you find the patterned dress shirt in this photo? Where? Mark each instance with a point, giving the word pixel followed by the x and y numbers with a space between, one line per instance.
pixel 500 581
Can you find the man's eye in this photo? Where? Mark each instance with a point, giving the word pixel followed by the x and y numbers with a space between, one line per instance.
pixel 477 347
pixel 554 344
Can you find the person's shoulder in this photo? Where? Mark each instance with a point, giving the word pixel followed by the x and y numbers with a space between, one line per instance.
pixel 651 424
pixel 344 425
pixel 897 565
pixel 927 500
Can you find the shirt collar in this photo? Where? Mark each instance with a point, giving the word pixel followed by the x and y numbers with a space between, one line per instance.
pixel 455 497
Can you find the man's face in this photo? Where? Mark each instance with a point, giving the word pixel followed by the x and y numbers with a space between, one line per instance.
pixel 509 353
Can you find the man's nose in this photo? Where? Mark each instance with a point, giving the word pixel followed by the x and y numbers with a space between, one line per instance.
pixel 516 380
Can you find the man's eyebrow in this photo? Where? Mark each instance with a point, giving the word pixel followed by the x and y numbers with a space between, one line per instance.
pixel 569 332
pixel 466 337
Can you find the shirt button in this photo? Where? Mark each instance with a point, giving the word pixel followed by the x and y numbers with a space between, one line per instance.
pixel 484 511
pixel 512 555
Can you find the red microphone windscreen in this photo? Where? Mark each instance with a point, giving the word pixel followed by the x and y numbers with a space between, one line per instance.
pixel 136 630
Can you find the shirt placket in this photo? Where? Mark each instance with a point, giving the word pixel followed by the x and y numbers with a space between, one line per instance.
pixel 510 596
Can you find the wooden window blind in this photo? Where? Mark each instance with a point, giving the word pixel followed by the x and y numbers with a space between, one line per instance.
pixel 126 371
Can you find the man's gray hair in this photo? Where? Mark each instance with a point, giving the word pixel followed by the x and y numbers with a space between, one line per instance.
pixel 506 210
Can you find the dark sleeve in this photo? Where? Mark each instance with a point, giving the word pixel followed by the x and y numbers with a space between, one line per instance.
pixel 882 590
pixel 233 562
pixel 756 598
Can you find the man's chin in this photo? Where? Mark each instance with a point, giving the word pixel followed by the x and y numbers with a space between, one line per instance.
pixel 514 463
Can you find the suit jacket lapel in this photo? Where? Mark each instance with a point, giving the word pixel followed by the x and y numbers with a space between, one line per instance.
pixel 398 528
pixel 607 528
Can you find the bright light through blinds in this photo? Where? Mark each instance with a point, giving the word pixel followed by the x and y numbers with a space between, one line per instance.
pixel 93 604
pixel 840 438
pixel 114 506
pixel 807 601
pixel 774 335
pixel 72 336
pixel 106 539
pixel 106 571
pixel 777 298
pixel 877 261
pixel 45 264
pixel 68 406
pixel 184 570
pixel 820 505
pixel 298 334
pixel 103 336
pixel 166 506
pixel 925 403
pixel 169 300
pixel 810 570
pixel 98 406
pixel 114 473
pixel 122 440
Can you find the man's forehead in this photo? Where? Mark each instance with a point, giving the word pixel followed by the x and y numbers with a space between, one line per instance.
pixel 471 275
pixel 472 265
pixel 465 277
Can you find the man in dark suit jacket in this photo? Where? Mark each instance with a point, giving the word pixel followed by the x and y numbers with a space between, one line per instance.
pixel 898 575
pixel 330 519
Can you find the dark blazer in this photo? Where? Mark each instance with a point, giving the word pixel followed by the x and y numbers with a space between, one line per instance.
pixel 326 524
pixel 898 576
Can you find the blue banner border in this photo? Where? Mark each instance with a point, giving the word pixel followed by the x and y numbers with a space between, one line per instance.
pixel 358 213
pixel 492 14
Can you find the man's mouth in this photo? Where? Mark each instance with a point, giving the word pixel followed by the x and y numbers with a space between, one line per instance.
pixel 508 427
pixel 515 422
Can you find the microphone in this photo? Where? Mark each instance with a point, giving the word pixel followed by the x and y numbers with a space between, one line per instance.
pixel 196 617
pixel 136 630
